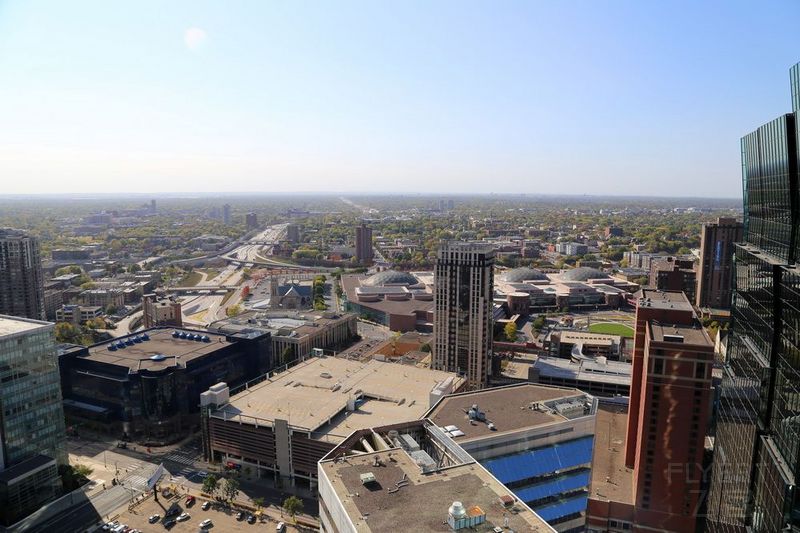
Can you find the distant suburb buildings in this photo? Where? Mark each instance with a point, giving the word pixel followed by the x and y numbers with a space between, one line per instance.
pixel 463 320
pixel 32 434
pixel 21 281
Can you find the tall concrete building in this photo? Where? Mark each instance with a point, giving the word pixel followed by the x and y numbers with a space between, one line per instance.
pixel 715 272
pixel 364 244
pixel 668 414
pixel 462 320
pixel 21 282
pixel 293 233
pixel 757 446
pixel 226 214
pixel 32 434
pixel 251 221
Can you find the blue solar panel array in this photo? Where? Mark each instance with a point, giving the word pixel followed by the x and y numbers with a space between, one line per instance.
pixel 541 461
pixel 554 487
pixel 554 511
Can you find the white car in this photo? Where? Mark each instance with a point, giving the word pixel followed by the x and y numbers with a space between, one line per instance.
pixel 206 523
pixel 109 525
pixel 183 516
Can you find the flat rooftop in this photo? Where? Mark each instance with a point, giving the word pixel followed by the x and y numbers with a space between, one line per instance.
pixel 313 395
pixel 10 325
pixel 597 339
pixel 611 479
pixel 351 282
pixel 665 300
pixel 508 408
pixel 422 504
pixel 145 355
pixel 693 336
pixel 616 372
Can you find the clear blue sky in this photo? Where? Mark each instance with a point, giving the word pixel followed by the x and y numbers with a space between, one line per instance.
pixel 595 97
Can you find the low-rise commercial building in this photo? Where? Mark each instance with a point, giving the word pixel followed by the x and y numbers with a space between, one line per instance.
pixel 78 314
pixel 583 345
pixel 395 299
pixel 597 377
pixel 161 311
pixel 283 425
pixel 147 385
pixel 295 335
pixel 413 477
pixel 536 440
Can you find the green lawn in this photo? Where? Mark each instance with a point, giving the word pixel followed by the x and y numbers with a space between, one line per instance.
pixel 611 328
pixel 191 279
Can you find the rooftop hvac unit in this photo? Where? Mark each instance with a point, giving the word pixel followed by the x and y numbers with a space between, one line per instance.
pixel 408 443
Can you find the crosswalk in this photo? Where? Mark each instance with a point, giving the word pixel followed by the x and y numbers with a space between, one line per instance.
pixel 181 457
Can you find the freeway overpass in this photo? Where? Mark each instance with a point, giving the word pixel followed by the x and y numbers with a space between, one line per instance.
pixel 220 289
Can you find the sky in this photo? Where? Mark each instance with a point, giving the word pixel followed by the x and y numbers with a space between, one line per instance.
pixel 614 97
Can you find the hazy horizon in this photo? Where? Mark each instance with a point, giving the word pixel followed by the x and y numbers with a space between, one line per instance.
pixel 623 99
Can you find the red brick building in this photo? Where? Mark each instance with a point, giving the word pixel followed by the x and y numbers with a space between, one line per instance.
pixel 647 477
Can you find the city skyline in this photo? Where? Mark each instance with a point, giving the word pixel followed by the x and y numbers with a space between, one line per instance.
pixel 366 98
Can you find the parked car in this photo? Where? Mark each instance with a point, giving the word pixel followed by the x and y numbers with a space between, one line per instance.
pixel 206 506
pixel 169 523
pixel 280 528
pixel 251 519
pixel 122 444
pixel 108 526
pixel 206 523
pixel 240 515
pixel 189 500
pixel 154 518
pixel 183 516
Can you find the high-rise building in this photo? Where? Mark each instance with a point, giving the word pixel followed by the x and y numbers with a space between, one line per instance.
pixel 32 431
pixel 667 420
pixel 757 445
pixel 153 205
pixel 715 272
pixel 21 282
pixel 251 220
pixel 293 233
pixel 364 244
pixel 462 319
pixel 674 274
pixel 226 214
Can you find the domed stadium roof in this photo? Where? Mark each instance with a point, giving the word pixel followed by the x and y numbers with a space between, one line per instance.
pixel 583 274
pixel 390 277
pixel 518 275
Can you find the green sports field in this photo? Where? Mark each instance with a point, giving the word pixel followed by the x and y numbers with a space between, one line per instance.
pixel 611 328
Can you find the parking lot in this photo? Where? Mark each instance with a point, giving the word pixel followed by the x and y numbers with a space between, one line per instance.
pixel 223 520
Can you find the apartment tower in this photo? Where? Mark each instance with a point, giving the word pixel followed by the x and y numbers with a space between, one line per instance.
pixel 364 244
pixel 21 282
pixel 462 320
pixel 715 271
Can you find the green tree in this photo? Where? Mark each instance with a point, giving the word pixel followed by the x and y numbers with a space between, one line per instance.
pixel 293 505
pixel 258 502
pixel 231 489
pixel 510 331
pixel 538 323
pixel 210 484
pixel 233 310
pixel 83 470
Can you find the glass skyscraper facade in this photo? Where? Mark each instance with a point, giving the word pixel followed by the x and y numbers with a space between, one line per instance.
pixel 32 433
pixel 757 446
